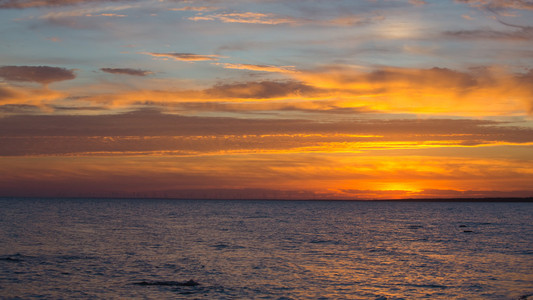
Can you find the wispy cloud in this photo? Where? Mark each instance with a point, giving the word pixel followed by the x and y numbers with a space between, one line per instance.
pixel 417 2
pixel 346 20
pixel 499 4
pixel 184 56
pixel 7 109
pixel 5 93
pixel 195 8
pixel 107 15
pixel 54 39
pixel 260 90
pixel 14 97
pixel 126 71
pixel 245 17
pixel 433 90
pixel 84 17
pixel 315 107
pixel 49 3
pixel 88 12
pixel 342 20
pixel 524 33
pixel 260 68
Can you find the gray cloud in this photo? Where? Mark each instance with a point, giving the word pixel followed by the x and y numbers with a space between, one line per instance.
pixel 48 3
pixel 526 80
pixel 40 74
pixel 260 90
pixel 126 71
pixel 433 76
pixel 524 33
pixel 499 4
pixel 153 123
pixel 18 108
pixel 322 107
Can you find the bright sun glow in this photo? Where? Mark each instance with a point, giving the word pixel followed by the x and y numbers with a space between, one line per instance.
pixel 399 187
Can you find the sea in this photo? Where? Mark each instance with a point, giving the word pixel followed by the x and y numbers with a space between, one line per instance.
pixel 251 249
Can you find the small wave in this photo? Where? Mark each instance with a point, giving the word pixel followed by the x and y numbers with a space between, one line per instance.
pixel 385 298
pixel 168 283
pixel 76 257
pixel 415 226
pixel 526 297
pixel 431 286
pixel 330 242
pixel 222 246
pixel 12 258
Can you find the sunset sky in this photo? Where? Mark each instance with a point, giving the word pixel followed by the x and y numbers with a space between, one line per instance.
pixel 300 99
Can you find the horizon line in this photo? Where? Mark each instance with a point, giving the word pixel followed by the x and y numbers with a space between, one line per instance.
pixel 481 199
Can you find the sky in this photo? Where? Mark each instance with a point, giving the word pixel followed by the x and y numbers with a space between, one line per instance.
pixel 249 99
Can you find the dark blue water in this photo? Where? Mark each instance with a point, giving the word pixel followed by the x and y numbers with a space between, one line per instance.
pixel 147 249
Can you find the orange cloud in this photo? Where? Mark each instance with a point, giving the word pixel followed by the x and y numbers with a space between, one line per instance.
pixel 483 91
pixel 335 89
pixel 274 19
pixel 24 96
pixel 245 17
pixel 107 15
pixel 195 8
pixel 184 56
pixel 436 91
pixel 260 68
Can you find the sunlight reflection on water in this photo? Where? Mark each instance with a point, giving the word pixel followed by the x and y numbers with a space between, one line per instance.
pixel 76 248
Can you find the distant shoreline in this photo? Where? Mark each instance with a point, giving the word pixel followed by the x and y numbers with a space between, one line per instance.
pixel 496 199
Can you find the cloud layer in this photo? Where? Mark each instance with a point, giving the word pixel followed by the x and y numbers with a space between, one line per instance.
pixel 149 132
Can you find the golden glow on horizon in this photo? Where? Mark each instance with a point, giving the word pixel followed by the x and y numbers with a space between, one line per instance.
pixel 399 187
pixel 351 176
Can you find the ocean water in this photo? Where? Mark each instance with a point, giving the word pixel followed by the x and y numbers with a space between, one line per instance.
pixel 148 249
